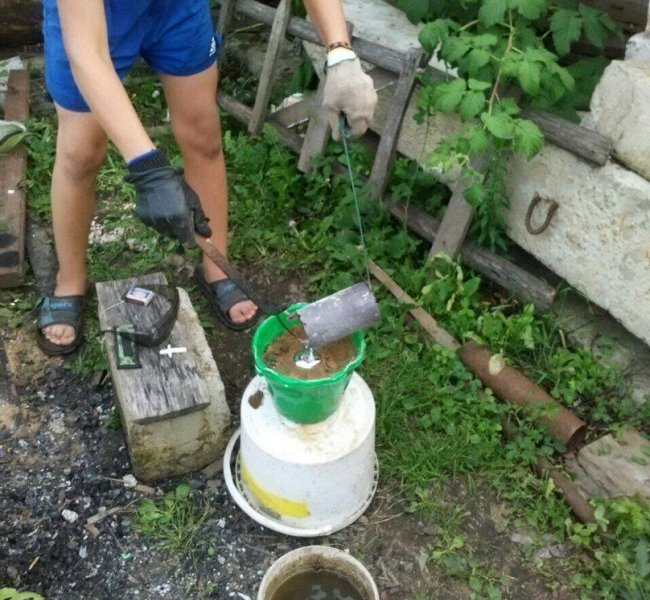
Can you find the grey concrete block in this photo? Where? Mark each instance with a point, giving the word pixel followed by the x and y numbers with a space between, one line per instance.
pixel 621 111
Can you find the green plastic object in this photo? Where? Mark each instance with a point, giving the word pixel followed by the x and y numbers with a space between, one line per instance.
pixel 302 400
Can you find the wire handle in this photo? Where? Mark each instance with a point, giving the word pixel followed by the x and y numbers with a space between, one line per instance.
pixel 345 133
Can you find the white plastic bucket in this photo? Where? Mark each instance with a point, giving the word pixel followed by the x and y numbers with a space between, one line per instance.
pixel 304 480
pixel 311 558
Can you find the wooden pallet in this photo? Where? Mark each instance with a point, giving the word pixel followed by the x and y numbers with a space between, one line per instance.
pixel 12 197
pixel 392 69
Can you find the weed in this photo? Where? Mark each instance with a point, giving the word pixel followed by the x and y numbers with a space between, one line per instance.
pixel 114 420
pixel 173 521
pixel 14 594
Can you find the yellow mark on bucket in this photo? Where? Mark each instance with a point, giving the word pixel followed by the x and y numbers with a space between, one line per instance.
pixel 275 503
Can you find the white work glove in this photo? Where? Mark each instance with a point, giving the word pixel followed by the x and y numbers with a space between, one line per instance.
pixel 348 90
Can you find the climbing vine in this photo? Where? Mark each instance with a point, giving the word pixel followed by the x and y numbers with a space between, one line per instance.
pixel 506 54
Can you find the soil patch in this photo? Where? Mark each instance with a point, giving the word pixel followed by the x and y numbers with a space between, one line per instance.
pixel 60 457
pixel 281 353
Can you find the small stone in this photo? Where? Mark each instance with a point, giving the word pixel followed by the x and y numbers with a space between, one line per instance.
pixel 83 552
pixel 129 481
pixel 69 515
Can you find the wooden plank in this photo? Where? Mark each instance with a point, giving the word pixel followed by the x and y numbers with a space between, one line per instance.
pixel 633 12
pixel 458 217
pixel 575 138
pixel 165 386
pixel 389 136
pixel 278 32
pixel 225 15
pixel 294 114
pixel 379 55
pixel 13 207
pixel 318 131
pixel 440 335
pixel 524 286
pixel 243 113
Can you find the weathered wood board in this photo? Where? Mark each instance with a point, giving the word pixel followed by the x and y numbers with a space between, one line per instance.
pixel 166 386
pixel 278 31
pixel 634 12
pixel 174 411
pixel 12 197
pixel 458 217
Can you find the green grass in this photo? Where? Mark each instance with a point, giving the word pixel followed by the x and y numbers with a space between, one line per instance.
pixel 173 521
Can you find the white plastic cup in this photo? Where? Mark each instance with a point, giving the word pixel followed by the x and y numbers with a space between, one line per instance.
pixel 313 558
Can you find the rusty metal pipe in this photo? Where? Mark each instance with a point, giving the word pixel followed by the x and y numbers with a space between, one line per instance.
pixel 512 386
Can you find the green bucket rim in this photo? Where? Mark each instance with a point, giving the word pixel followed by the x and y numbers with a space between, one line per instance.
pixel 263 369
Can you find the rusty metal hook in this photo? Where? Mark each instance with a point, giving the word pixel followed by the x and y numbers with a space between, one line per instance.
pixel 552 208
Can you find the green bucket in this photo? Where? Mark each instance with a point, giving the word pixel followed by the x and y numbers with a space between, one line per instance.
pixel 301 400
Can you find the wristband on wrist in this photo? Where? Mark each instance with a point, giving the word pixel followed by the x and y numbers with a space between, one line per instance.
pixel 339 55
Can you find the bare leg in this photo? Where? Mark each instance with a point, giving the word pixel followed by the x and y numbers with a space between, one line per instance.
pixel 80 150
pixel 195 123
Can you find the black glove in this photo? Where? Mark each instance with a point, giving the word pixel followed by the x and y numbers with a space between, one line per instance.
pixel 164 201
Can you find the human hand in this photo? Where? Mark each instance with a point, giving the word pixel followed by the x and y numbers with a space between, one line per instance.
pixel 165 201
pixel 350 91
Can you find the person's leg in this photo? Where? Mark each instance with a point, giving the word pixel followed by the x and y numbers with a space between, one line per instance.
pixel 80 150
pixel 195 124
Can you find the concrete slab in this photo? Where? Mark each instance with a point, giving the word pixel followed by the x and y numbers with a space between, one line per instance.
pixel 620 465
pixel 620 111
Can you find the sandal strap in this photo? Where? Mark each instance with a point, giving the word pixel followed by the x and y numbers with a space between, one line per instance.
pixel 227 293
pixel 56 310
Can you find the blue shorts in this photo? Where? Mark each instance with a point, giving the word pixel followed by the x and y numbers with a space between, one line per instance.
pixel 174 37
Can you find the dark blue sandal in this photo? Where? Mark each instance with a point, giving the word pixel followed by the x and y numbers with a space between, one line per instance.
pixel 223 295
pixel 60 310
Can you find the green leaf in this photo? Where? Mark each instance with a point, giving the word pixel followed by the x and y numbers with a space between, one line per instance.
pixel 182 491
pixel 528 138
pixel 485 40
pixel 447 96
pixel 477 140
pixel 478 86
pixel 642 561
pixel 530 9
pixel 509 106
pixel 592 25
pixel 492 11
pixel 529 77
pixel 435 32
pixel 501 126
pixel 472 105
pixel 474 194
pixel 476 59
pixel 415 10
pixel 453 49
pixel 566 26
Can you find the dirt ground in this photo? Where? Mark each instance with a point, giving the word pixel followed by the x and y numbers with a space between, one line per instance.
pixel 57 454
